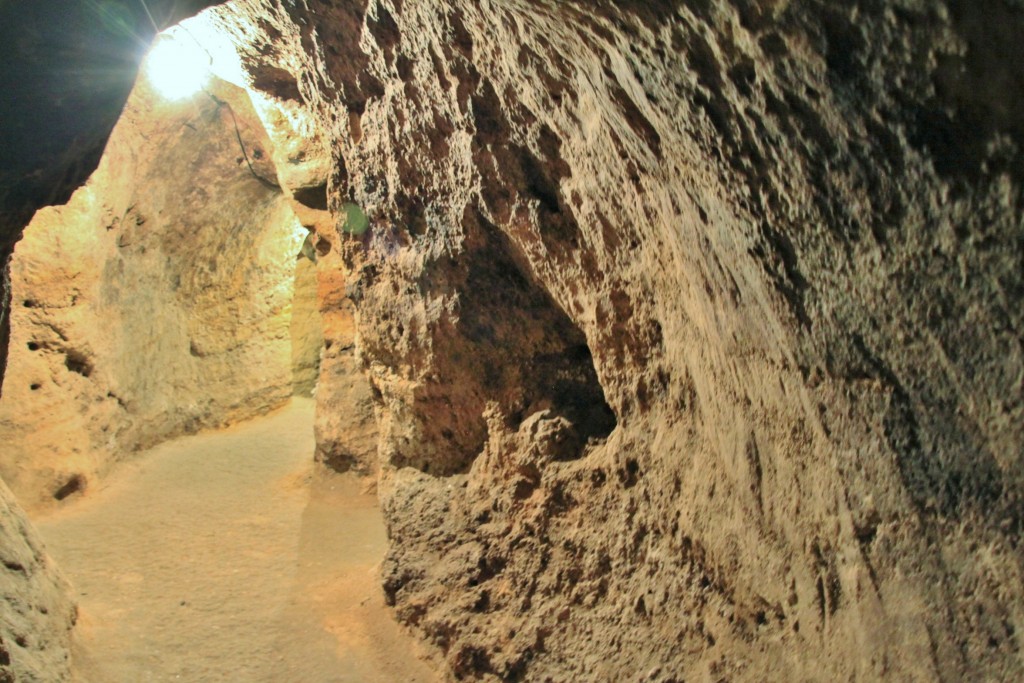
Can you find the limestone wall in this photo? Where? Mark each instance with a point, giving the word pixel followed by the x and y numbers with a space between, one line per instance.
pixel 157 302
pixel 36 611
pixel 694 327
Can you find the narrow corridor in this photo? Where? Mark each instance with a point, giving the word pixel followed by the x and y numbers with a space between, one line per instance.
pixel 225 556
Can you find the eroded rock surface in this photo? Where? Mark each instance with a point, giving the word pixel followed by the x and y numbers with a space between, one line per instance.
pixel 305 329
pixel 36 612
pixel 67 71
pixel 158 300
pixel 695 327
pixel 345 424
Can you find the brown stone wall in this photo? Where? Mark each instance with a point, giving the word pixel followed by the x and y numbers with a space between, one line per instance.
pixel 157 301
pixel 695 328
pixel 36 612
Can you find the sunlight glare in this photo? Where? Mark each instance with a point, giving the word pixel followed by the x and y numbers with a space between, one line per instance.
pixel 177 66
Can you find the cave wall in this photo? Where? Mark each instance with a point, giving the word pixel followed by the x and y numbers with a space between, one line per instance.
pixel 36 611
pixel 345 425
pixel 67 70
pixel 305 329
pixel 694 327
pixel 158 301
pixel 774 247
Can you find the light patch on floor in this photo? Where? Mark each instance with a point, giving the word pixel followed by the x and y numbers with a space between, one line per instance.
pixel 225 557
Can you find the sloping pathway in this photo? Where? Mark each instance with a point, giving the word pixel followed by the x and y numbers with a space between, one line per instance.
pixel 221 557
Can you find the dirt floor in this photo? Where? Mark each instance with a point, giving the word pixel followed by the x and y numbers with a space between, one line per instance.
pixel 225 557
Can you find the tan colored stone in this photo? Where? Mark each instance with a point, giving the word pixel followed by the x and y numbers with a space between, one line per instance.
pixel 776 240
pixel 36 612
pixel 158 301
pixel 693 329
pixel 306 329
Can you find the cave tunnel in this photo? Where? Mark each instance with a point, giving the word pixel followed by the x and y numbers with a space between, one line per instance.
pixel 175 291
pixel 516 340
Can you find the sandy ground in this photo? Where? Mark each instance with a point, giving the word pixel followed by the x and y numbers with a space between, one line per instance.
pixel 224 557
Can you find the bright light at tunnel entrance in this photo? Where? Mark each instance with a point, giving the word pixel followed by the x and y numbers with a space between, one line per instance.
pixel 177 66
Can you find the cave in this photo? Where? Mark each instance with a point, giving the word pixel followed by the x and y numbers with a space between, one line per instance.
pixel 517 340
pixel 174 292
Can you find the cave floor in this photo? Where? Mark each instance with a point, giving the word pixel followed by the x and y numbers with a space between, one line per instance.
pixel 226 556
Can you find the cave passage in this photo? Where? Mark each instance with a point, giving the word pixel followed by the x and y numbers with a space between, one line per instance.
pixel 158 415
pixel 227 556
pixel 173 293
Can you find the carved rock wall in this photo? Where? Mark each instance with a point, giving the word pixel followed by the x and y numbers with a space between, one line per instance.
pixel 694 327
pixel 36 611
pixel 62 97
pixel 158 301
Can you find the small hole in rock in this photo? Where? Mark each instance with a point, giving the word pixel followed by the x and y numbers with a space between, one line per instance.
pixel 313 197
pixel 35 386
pixel 33 346
pixel 73 485
pixel 630 474
pixel 75 361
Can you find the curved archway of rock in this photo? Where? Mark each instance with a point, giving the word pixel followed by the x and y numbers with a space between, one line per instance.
pixel 692 328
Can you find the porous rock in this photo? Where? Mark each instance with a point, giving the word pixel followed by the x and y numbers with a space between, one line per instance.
pixel 694 326
pixel 159 300
pixel 36 612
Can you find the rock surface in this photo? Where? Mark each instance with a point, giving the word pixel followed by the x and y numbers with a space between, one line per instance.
pixel 158 300
pixel 695 327
pixel 345 425
pixel 36 611
pixel 306 329
pixel 65 71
